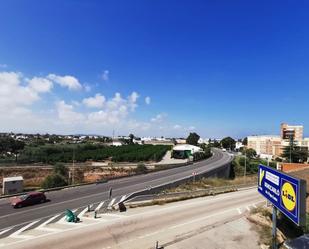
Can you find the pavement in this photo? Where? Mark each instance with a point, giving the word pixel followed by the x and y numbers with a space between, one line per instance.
pixel 207 222
pixel 77 198
pixel 167 159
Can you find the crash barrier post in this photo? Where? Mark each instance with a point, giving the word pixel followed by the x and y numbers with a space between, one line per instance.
pixel 122 207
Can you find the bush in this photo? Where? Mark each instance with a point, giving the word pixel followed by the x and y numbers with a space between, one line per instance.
pixel 60 169
pixel 141 169
pixel 54 181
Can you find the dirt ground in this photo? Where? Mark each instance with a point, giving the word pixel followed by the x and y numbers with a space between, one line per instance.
pixel 34 176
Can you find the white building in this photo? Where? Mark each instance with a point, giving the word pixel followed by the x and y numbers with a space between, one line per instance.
pixel 12 185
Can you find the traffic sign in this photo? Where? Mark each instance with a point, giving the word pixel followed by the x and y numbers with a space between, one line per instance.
pixel 285 192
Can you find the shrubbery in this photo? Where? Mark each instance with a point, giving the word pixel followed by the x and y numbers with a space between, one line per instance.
pixel 141 168
pixel 64 153
pixel 58 178
pixel 199 156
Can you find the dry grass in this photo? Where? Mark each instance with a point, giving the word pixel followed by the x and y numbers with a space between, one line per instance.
pixel 206 183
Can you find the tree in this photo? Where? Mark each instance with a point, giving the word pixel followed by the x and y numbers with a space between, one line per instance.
pixel 9 144
pixel 250 153
pixel 245 141
pixel 192 138
pixel 60 169
pixel 54 181
pixel 131 136
pixel 228 143
pixel 295 154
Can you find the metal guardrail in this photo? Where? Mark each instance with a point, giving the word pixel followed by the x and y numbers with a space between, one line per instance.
pixel 202 192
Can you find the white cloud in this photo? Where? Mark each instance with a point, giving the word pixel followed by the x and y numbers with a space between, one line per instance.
pixel 177 127
pixel 115 110
pixel 40 85
pixel 96 102
pixel 191 128
pixel 13 93
pixel 159 118
pixel 66 114
pixel 87 88
pixel 66 81
pixel 105 75
pixel 148 100
pixel 21 109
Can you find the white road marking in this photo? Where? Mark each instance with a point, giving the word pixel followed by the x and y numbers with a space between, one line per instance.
pixel 248 208
pixel 114 215
pixel 16 234
pixel 81 214
pixel 49 229
pixel 48 221
pixel 148 234
pixel 122 198
pixel 254 206
pixel 111 221
pixel 239 210
pixel 203 218
pixel 99 206
pixel 112 202
pixel 4 231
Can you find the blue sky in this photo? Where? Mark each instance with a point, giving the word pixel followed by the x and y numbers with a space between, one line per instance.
pixel 215 67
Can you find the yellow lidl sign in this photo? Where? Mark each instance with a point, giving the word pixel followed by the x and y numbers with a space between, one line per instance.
pixel 285 192
pixel 288 196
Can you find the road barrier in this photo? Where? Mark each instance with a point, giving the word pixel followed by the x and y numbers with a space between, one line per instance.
pixel 190 194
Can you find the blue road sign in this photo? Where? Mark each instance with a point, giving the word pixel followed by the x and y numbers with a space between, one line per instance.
pixel 285 192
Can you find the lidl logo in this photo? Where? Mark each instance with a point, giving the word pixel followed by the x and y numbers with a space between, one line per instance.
pixel 261 176
pixel 288 196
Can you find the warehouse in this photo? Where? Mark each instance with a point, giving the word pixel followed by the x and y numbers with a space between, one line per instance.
pixel 182 151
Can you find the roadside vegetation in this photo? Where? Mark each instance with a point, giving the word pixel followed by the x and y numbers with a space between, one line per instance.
pixel 249 161
pixel 65 153
pixel 261 217
pixel 206 183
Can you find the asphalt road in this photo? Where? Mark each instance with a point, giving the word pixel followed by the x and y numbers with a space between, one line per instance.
pixel 208 222
pixel 78 197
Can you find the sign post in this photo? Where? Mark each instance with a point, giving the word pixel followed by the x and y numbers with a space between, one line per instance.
pixel 286 193
pixel 274 229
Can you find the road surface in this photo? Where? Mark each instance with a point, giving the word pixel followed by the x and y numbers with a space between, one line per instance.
pixel 208 222
pixel 12 220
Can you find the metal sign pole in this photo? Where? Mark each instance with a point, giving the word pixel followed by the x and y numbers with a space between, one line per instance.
pixel 274 230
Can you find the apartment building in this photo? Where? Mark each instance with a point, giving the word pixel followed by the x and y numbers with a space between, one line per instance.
pixel 273 145
pixel 264 145
pixel 295 131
